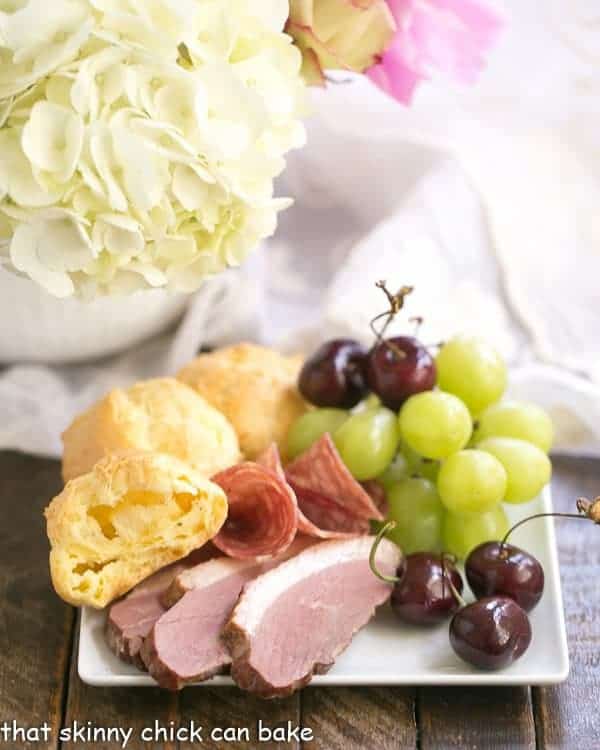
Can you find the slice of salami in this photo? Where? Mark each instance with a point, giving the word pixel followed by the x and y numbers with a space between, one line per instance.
pixel 334 522
pixel 325 517
pixel 271 459
pixel 378 494
pixel 320 470
pixel 263 512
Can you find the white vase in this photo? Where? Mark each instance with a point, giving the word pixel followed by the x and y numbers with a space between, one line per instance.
pixel 36 327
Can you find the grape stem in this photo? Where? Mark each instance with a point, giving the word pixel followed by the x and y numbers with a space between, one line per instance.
pixel 587 511
pixel 389 526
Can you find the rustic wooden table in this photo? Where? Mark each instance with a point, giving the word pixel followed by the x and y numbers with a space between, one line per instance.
pixel 38 681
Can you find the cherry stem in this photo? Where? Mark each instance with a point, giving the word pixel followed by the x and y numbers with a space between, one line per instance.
pixel 417 321
pixel 396 303
pixel 590 508
pixel 582 516
pixel 389 526
pixel 447 576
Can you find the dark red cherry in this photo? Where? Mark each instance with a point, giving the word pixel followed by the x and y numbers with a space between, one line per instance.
pixel 491 633
pixel 399 367
pixel 423 596
pixel 334 375
pixel 495 568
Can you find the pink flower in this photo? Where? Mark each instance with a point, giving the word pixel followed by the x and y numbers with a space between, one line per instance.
pixel 339 34
pixel 452 36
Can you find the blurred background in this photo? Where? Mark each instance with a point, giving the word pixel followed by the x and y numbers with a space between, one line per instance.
pixel 498 183
pixel 486 200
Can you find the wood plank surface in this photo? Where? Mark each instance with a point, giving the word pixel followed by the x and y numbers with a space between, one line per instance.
pixel 567 715
pixel 135 709
pixel 221 708
pixel 35 626
pixel 357 718
pixel 476 718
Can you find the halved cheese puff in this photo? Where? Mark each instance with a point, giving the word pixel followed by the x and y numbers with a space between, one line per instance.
pixel 161 415
pixel 130 516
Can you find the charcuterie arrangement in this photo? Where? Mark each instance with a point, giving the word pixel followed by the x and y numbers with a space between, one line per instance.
pixel 250 515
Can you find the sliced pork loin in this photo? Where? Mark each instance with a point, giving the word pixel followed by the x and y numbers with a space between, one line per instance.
pixel 184 645
pixel 293 621
pixel 132 618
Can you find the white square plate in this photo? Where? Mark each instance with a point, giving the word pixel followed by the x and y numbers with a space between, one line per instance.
pixel 387 652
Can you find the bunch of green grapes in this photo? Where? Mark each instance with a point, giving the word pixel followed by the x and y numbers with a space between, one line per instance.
pixel 452 455
pixel 483 451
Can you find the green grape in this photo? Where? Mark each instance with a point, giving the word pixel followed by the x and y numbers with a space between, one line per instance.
pixel 420 466
pixel 368 442
pixel 435 424
pixel 472 370
pixel 528 469
pixel 471 481
pixel 462 533
pixel 416 508
pixel 516 419
pixel 308 428
pixel 370 402
pixel 397 470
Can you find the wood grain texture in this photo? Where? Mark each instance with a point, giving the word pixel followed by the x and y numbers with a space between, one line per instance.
pixel 567 716
pixel 216 708
pixel 476 718
pixel 35 626
pixel 359 718
pixel 135 708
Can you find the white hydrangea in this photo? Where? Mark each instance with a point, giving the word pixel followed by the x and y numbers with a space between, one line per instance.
pixel 139 139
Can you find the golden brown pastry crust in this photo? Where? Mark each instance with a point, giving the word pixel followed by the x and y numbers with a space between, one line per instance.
pixel 161 415
pixel 254 387
pixel 130 516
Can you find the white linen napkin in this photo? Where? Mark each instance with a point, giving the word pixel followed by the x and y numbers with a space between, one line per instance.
pixel 486 200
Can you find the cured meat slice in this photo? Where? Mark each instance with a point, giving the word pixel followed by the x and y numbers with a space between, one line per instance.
pixel 326 518
pixel 263 513
pixel 378 494
pixel 132 618
pixel 184 645
pixel 328 496
pixel 293 621
pixel 329 512
pixel 271 459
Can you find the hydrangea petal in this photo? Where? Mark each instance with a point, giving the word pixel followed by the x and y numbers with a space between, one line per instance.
pixel 64 244
pixel 139 139
pixel 117 234
pixel 145 173
pixel 192 191
pixel 99 77
pixel 101 151
pixel 53 138
pixel 16 174
pixel 24 257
